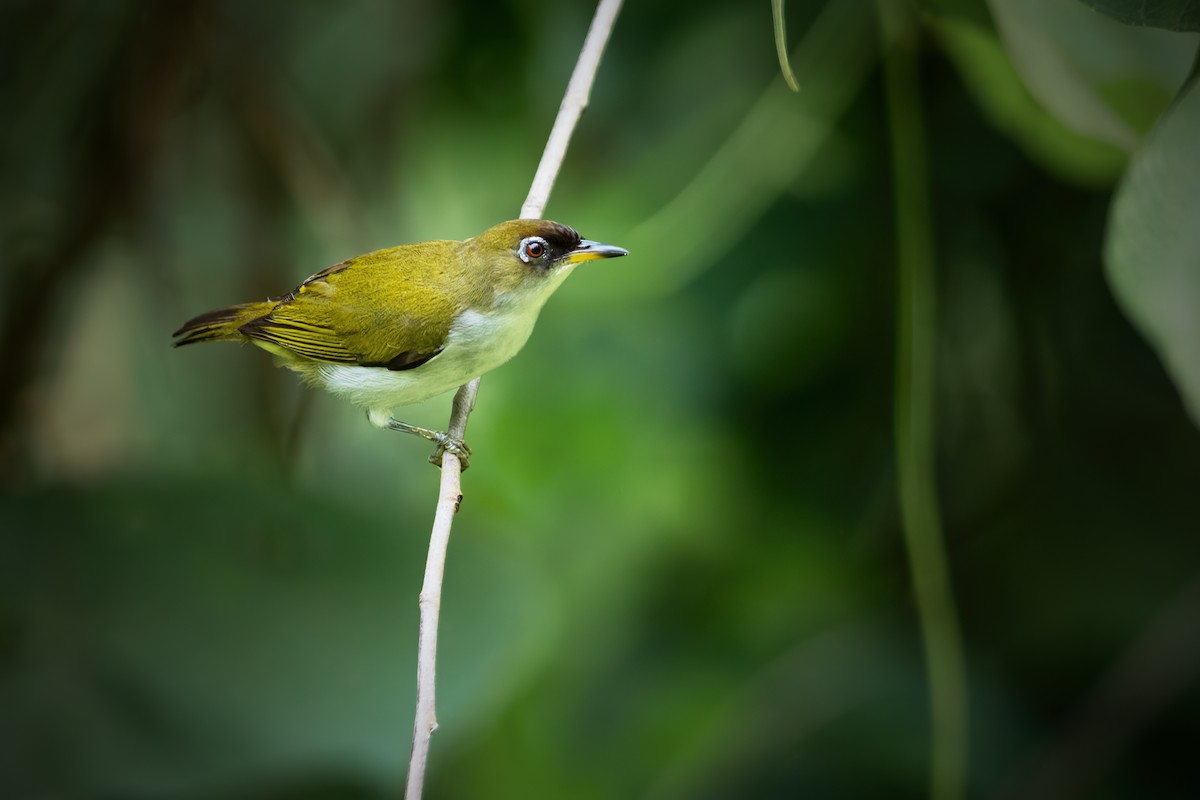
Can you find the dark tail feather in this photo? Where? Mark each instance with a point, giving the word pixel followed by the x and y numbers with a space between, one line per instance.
pixel 221 325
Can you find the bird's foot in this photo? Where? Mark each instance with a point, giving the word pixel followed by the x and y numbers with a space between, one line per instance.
pixel 448 444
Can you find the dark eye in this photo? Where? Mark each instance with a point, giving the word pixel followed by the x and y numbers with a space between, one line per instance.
pixel 533 249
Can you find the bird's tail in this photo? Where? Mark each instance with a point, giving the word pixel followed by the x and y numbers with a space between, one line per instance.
pixel 221 325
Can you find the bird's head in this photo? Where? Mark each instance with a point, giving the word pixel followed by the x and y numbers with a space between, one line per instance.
pixel 533 256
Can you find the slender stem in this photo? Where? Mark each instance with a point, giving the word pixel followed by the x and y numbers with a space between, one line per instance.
pixel 914 412
pixel 430 602
pixel 781 49
pixel 450 492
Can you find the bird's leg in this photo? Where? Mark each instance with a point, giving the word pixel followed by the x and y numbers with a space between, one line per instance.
pixel 444 441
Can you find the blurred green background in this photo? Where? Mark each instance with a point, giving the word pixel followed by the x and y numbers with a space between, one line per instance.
pixel 678 571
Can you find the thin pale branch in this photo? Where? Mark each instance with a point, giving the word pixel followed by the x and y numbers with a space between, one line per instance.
pixel 450 493
pixel 449 497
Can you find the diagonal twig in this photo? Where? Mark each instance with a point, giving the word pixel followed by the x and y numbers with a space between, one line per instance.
pixel 450 492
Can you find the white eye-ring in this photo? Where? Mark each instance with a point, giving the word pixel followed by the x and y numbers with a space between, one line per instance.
pixel 532 249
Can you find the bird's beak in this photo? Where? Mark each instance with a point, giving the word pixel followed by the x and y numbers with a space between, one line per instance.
pixel 587 250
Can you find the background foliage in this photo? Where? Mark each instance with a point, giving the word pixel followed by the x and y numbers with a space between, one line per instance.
pixel 678 572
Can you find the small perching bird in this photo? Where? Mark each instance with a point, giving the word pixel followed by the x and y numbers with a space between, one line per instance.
pixel 401 325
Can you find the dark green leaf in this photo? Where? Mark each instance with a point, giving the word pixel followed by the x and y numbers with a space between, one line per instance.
pixel 1153 247
pixel 1174 15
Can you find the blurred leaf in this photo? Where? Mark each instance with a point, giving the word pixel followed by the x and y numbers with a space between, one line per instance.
pixel 1096 75
pixel 988 72
pixel 1153 246
pixel 1174 15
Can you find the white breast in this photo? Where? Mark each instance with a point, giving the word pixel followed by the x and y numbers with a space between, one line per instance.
pixel 477 342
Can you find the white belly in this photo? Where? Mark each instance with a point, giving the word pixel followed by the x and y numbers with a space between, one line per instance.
pixel 477 342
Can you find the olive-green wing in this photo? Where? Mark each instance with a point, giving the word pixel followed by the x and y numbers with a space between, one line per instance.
pixel 351 313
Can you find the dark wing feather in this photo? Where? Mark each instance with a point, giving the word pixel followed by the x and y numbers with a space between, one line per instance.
pixel 300 337
pixel 409 359
pixel 348 314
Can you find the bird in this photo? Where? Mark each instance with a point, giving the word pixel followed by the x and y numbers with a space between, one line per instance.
pixel 400 325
